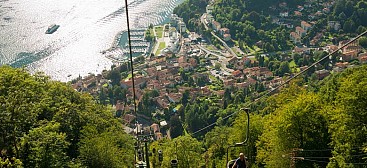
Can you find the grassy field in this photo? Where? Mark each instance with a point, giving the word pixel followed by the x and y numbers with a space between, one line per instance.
pixel 161 46
pixel 151 31
pixel 159 31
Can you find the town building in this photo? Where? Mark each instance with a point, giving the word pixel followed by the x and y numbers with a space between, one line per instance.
pixel 305 26
pixel 216 25
pixel 334 25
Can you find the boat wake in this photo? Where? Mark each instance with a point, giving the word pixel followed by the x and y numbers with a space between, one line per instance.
pixel 73 34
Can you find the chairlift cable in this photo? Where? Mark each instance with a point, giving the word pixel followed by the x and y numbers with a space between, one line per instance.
pixel 132 79
pixel 131 61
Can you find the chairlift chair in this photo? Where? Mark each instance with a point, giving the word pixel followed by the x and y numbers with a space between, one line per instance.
pixel 231 162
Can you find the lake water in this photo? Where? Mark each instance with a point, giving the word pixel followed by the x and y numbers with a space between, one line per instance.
pixel 87 27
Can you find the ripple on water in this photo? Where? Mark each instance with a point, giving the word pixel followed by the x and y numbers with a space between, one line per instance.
pixel 86 29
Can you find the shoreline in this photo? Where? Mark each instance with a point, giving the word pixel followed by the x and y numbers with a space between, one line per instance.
pixel 118 54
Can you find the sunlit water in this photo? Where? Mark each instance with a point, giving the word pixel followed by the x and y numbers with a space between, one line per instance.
pixel 87 27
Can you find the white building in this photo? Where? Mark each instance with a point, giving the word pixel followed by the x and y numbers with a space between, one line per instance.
pixel 181 26
pixel 209 9
pixel 283 14
pixel 178 23
pixel 334 25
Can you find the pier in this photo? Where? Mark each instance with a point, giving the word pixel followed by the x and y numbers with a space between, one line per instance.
pixel 119 50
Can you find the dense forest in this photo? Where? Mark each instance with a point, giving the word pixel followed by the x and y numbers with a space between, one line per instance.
pixel 45 123
pixel 250 22
pixel 190 11
pixel 351 14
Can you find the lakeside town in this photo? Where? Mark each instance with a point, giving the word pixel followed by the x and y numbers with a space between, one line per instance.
pixel 202 84
pixel 178 62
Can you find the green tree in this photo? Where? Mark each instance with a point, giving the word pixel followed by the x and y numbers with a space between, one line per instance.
pixel 176 128
pixel 147 104
pixel 190 12
pixel 20 105
pixel 102 97
pixel 106 149
pixel 349 26
pixel 339 7
pixel 119 93
pixel 296 57
pixel 11 163
pixel 185 97
pixel 363 42
pixel 227 94
pixel 297 124
pixel 217 66
pixel 45 147
pixel 342 16
pixel 148 35
pixel 186 149
pixel 115 77
pixel 269 47
pixel 216 143
pixel 192 119
pixel 346 115
pixel 284 68
pixel 42 120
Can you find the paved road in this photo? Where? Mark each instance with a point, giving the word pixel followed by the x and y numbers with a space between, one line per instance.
pixel 271 53
pixel 157 39
pixel 225 45
pixel 202 18
pixel 221 59
pixel 210 52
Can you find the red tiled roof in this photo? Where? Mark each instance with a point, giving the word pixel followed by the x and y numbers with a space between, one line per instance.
pixel 297 13
pixel 226 35
pixel 295 35
pixel 129 118
pixel 236 73
pixel 182 59
pixel 216 23
pixel 299 29
pixel 224 29
pixel 155 128
pixel 119 106
pixel 305 24
pixel 362 58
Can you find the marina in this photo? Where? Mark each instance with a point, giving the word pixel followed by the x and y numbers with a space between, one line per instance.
pixel 119 51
